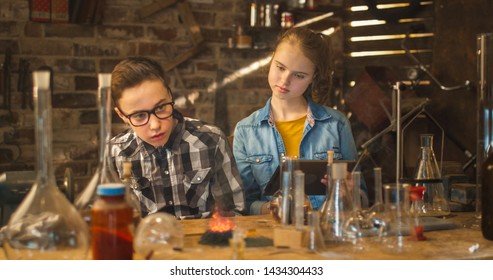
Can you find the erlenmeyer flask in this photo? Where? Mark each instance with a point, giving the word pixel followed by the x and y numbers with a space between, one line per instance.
pixel 340 206
pixel 428 175
pixel 45 225
pixel 105 172
pixel 395 230
pixel 314 239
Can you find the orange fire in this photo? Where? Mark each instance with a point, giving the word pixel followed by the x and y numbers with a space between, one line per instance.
pixel 219 223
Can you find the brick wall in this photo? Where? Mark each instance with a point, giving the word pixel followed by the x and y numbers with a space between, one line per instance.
pixel 78 52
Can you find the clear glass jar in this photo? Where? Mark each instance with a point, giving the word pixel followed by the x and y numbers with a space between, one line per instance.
pixel 45 225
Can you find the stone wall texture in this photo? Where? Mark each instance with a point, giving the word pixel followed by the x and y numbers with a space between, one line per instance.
pixel 76 53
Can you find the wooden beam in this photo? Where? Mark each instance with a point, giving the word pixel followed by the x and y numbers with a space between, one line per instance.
pixel 183 57
pixel 154 7
pixel 188 19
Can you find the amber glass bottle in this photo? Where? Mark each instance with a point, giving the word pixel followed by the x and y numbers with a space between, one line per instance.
pixel 111 226
pixel 487 198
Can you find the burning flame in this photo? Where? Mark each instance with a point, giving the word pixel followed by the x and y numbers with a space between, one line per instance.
pixel 219 223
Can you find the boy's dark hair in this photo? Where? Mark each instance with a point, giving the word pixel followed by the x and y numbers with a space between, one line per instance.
pixel 132 71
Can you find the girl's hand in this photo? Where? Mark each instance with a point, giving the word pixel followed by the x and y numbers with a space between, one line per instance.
pixel 349 181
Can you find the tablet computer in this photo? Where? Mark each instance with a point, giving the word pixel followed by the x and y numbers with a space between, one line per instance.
pixel 314 172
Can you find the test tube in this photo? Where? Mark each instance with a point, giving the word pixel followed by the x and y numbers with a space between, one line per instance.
pixel 299 198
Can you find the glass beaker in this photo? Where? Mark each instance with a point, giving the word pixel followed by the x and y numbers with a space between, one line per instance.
pixel 339 208
pixel 105 172
pixel 45 225
pixel 428 175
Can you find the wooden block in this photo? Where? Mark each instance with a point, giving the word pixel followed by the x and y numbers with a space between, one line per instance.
pixel 288 237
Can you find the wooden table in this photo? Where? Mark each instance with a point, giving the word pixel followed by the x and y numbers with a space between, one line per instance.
pixel 458 243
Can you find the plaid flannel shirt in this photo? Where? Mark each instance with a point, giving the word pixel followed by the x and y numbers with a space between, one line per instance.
pixel 193 173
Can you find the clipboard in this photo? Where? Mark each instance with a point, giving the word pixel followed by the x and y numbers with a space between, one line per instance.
pixel 314 171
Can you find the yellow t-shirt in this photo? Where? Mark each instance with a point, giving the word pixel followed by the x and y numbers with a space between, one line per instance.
pixel 291 132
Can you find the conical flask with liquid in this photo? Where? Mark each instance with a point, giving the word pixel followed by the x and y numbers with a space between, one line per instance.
pixel 45 225
pixel 428 175
pixel 105 172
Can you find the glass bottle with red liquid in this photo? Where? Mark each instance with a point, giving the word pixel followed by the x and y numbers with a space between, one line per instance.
pixel 111 226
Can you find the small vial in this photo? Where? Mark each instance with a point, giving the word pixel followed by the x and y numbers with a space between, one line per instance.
pixel 112 237
pixel 237 244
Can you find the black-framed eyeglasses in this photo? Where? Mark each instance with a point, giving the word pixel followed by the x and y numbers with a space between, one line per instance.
pixel 141 118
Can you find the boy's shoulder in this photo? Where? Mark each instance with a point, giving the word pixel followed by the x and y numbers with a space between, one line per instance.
pixel 198 126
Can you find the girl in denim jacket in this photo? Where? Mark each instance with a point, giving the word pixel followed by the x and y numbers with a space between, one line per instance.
pixel 291 123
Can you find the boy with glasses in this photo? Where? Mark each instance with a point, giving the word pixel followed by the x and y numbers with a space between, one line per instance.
pixel 181 166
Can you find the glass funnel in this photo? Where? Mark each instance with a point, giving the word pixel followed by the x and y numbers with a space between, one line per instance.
pixel 428 175
pixel 45 225
pixel 105 172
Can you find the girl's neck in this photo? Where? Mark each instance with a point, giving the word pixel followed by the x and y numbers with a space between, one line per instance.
pixel 288 110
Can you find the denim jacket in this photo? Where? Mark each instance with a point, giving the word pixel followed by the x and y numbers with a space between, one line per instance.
pixel 258 147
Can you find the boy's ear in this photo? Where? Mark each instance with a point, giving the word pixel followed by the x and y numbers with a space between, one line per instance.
pixel 120 114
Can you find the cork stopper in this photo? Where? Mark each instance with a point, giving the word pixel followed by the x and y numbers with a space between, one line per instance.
pixel 339 170
pixel 330 156
pixel 104 80
pixel 41 79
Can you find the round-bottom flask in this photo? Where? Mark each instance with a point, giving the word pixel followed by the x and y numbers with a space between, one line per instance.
pixel 45 225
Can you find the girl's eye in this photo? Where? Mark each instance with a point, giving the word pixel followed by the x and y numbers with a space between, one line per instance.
pixel 300 76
